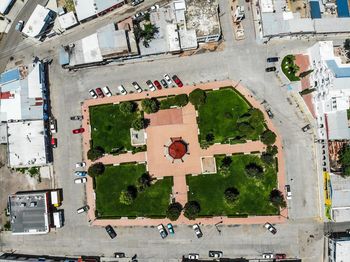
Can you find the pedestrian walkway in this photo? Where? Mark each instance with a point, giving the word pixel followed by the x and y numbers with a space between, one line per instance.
pixel 158 166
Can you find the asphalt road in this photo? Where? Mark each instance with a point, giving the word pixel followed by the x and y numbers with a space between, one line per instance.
pixel 243 61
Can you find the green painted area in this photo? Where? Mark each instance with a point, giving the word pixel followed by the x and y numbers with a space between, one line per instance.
pixel 289 68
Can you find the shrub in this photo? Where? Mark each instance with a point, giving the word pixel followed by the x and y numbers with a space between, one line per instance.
pixel 273 150
pixel 192 209
pixel 96 169
pixel 150 105
pixel 231 195
pixel 344 160
pixel 254 170
pixel 174 211
pixel 197 97
pixel 127 107
pixel 246 129
pixel 267 158
pixel 138 124
pixel 277 199
pixel 226 161
pixel 144 181
pixel 209 137
pixel 181 100
pixel 268 137
pixel 125 198
pixel 95 153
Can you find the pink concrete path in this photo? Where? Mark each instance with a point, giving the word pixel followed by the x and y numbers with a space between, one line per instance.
pixel 180 181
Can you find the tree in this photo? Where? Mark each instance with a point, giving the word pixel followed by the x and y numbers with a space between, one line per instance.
pixel 254 170
pixel 344 160
pixel 267 158
pixel 181 100
pixel 231 195
pixel 277 199
pixel 96 169
pixel 192 209
pixel 305 73
pixel 347 44
pixel 144 181
pixel 268 137
pixel 245 129
pixel 150 105
pixel 95 153
pixel 273 150
pixel 125 198
pixel 226 161
pixel 138 124
pixel 256 117
pixel 209 137
pixel 174 211
pixel 197 97
pixel 127 107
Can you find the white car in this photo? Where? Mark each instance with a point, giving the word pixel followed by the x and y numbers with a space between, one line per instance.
pixel 81 180
pixel 93 93
pixel 197 230
pixel 53 126
pixel 270 228
pixel 106 90
pixel 268 255
pixel 122 90
pixel 193 256
pixel 137 87
pixel 288 192
pixel 151 85
pixel 80 164
pixel 154 7
pixel 168 79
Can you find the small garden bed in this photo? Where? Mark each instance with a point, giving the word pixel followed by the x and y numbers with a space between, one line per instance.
pixel 289 68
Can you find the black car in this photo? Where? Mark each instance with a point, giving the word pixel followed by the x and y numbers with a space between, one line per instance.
pixel 119 255
pixel 305 128
pixel 164 83
pixel 216 254
pixel 269 113
pixel 270 69
pixel 111 231
pixel 272 59
pixel 76 118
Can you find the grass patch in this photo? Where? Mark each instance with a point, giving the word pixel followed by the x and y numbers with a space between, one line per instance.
pixel 110 129
pixel 153 202
pixel 253 196
pixel 174 101
pixel 289 68
pixel 220 114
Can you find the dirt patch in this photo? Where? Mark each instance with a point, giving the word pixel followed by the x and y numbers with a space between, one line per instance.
pixel 67 4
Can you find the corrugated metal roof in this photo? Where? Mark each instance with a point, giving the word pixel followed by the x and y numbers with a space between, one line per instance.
pixel 315 9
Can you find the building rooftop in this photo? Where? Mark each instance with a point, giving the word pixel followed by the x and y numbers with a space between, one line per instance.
pixel 36 22
pixel 28 213
pixel 342 250
pixel 26 143
pixel 111 41
pixel 67 20
pixel 4 4
pixel 203 17
pixel 89 8
pixel 338 126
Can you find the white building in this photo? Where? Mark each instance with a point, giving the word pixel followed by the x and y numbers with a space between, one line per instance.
pixel 89 9
pixel 38 22
pixel 5 6
pixel 339 249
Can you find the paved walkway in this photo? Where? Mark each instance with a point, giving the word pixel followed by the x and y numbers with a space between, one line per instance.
pixel 188 129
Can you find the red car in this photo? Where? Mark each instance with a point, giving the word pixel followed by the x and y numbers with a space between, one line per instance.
pixel 54 142
pixel 100 93
pixel 157 84
pixel 281 256
pixel 78 130
pixel 177 81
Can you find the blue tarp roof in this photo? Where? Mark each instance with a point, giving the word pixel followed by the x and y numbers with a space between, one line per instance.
pixel 343 8
pixel 338 71
pixel 315 9
pixel 9 76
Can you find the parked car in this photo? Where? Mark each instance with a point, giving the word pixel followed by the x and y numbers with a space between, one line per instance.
pixel 270 69
pixel 281 256
pixel 272 59
pixel 76 118
pixel 157 84
pixel 154 7
pixel 119 255
pixel 83 209
pixel 168 79
pixel 78 130
pixel 162 231
pixel 177 81
pixel 93 93
pixel 150 85
pixel 288 192
pixel 137 87
pixel 305 128
pixel 216 254
pixel 80 173
pixel 53 142
pixel 53 126
pixel 270 228
pixel 193 256
pixel 122 90
pixel 269 113
pixel 81 180
pixel 19 26
pixel 80 164
pixel 197 230
pixel 268 255
pixel 100 93
pixel 136 2
pixel 164 83
pixel 138 16
pixel 111 231
pixel 170 228
pixel 106 90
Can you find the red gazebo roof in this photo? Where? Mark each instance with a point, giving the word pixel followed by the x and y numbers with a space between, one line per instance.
pixel 177 149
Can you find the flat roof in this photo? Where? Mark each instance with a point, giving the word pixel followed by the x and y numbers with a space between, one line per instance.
pixel 91 49
pixel 338 128
pixel 203 16
pixel 26 143
pixel 342 250
pixel 343 8
pixel 28 213
pixel 36 22
pixel 89 8
pixel 339 71
pixel 112 41
pixel 315 9
pixel 4 4
pixel 9 76
pixel 67 20
pixel 266 6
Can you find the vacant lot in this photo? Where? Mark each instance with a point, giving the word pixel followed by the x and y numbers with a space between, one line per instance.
pixel 152 202
pixel 110 129
pixel 253 197
pixel 220 115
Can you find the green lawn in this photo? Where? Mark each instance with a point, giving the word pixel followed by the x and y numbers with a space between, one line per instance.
pixel 289 68
pixel 253 199
pixel 110 129
pixel 219 116
pixel 153 201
